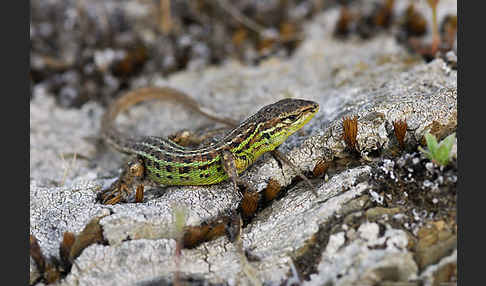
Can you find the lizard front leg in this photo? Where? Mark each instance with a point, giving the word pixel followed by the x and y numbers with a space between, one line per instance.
pixel 280 157
pixel 250 197
pixel 229 166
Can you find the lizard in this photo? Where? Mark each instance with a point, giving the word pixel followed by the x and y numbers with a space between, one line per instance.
pixel 160 161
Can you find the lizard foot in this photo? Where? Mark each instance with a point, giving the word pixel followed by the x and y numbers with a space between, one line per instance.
pixel 121 189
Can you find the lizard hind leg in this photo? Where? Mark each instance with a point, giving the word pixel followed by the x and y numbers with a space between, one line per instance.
pixel 130 179
pixel 191 139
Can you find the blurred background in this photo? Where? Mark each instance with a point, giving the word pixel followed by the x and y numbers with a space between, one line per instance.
pixel 83 50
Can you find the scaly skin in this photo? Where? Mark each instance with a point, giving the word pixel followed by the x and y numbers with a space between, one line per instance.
pixel 159 161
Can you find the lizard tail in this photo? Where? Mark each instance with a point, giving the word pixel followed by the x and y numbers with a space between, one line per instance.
pixel 121 141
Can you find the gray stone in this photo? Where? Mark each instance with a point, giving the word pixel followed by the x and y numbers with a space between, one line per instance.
pixel 359 262
pixel 428 275
pixel 132 262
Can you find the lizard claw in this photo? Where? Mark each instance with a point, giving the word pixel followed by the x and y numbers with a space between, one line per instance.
pixel 113 194
pixel 112 201
pixel 119 192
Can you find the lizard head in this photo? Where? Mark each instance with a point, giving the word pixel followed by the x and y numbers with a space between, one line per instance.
pixel 268 128
pixel 283 118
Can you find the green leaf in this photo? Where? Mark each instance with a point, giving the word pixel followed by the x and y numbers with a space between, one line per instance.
pixel 431 142
pixel 448 142
pixel 426 152
pixel 445 147
pixel 439 153
pixel 442 155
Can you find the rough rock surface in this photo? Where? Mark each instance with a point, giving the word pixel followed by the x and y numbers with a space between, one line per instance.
pixel 328 238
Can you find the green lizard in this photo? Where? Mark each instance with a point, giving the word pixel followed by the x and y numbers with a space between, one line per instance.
pixel 159 161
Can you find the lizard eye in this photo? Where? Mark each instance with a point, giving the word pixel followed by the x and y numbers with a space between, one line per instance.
pixel 290 118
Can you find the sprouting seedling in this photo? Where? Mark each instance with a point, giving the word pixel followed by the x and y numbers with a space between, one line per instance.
pixel 439 153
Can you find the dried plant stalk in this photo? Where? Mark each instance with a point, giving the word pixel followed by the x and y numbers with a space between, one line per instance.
pixel 272 190
pixel 350 132
pixel 400 129
pixel 36 254
pixel 66 246
pixel 320 168
pixel 249 203
pixel 435 27
pixel 165 17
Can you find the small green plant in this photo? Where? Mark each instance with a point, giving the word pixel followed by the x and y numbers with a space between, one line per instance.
pixel 439 153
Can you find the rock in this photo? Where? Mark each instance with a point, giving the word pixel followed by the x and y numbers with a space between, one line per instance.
pixel 347 78
pixel 392 283
pixel 375 213
pixel 104 265
pixel 359 262
pixel 433 244
pixel 445 271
